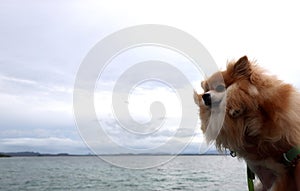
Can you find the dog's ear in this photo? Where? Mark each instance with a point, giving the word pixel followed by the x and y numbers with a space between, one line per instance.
pixel 242 67
pixel 196 98
pixel 204 86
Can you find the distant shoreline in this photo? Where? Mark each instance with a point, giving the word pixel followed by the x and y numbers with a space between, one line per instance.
pixel 37 154
pixel 4 155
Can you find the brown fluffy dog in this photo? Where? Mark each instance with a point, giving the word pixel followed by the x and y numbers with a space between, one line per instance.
pixel 259 119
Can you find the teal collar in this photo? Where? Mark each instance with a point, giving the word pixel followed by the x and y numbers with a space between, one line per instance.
pixel 292 156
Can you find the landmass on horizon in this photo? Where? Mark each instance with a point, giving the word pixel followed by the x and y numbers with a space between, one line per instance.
pixel 32 154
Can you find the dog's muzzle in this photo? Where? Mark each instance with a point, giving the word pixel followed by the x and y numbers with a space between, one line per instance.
pixel 212 99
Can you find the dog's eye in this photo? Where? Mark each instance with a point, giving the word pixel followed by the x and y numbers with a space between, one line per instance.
pixel 220 88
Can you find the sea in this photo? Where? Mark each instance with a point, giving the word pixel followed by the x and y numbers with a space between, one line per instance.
pixel 91 173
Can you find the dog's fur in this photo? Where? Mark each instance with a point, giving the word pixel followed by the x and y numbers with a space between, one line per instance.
pixel 261 120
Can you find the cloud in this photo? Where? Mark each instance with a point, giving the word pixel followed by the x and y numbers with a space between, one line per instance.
pixel 44 145
pixel 125 139
pixel 18 80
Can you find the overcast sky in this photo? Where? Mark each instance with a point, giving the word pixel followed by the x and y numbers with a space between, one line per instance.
pixel 43 43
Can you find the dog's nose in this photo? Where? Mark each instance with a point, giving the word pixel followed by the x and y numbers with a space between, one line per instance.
pixel 207 99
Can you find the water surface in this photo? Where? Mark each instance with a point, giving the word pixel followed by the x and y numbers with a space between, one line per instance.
pixel 207 173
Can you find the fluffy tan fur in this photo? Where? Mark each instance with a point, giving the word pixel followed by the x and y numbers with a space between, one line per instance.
pixel 261 122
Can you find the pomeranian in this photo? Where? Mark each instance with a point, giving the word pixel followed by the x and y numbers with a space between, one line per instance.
pixel 257 116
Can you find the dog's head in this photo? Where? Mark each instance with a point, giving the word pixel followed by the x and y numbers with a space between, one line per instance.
pixel 234 85
pixel 238 102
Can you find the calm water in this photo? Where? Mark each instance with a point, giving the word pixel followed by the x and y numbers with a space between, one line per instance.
pixel 208 173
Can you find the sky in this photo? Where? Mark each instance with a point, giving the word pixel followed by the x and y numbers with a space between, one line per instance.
pixel 43 44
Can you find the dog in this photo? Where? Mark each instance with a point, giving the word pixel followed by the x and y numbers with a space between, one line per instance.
pixel 247 111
